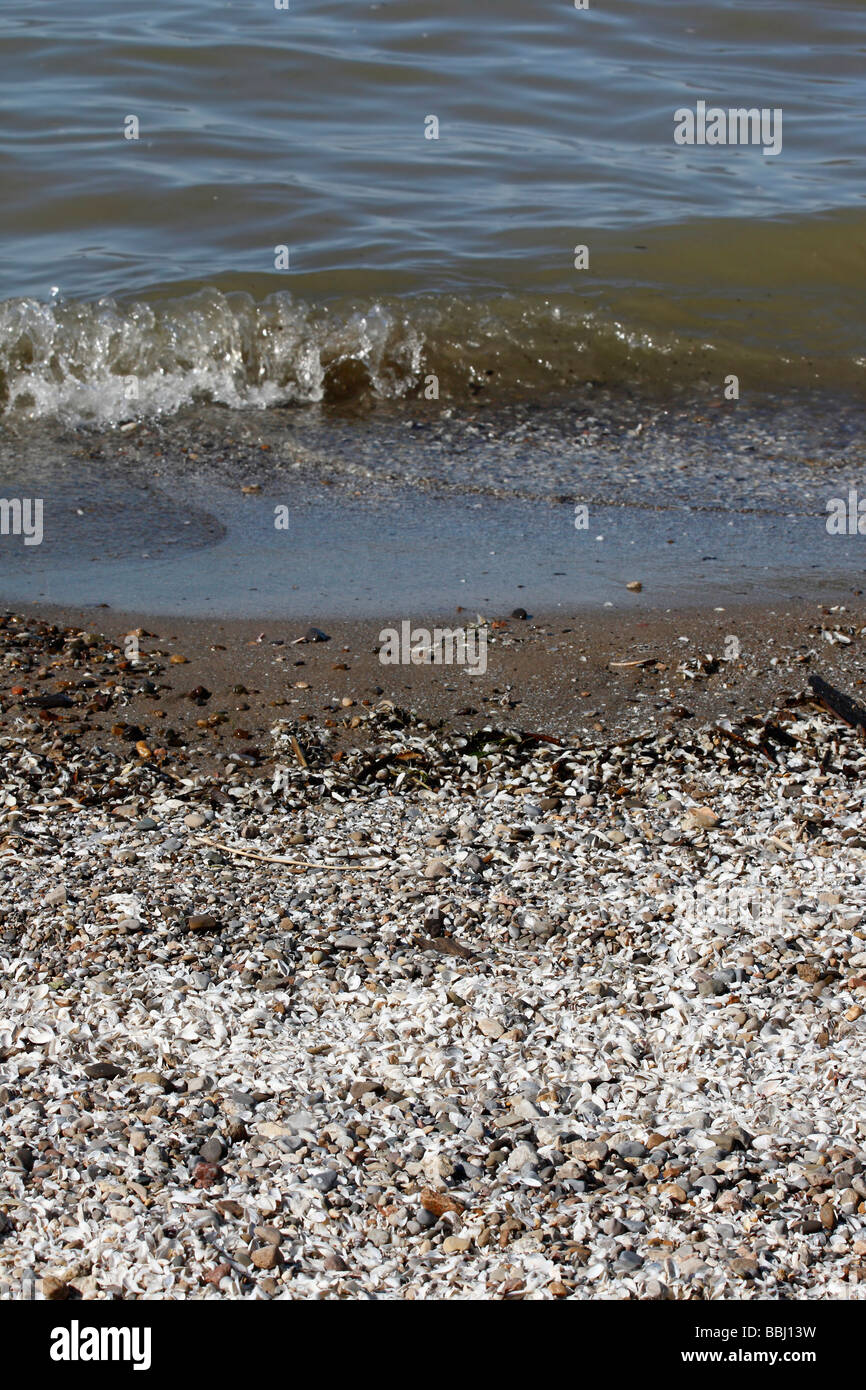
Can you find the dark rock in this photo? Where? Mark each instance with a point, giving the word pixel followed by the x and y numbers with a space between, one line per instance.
pixel 315 634
pixel 632 1148
pixel 212 1150
pixel 49 702
pixel 325 1181
pixel 202 922
pixel 434 921
pixel 102 1071
pixel 360 1088
pixel 707 1184
pixel 628 1261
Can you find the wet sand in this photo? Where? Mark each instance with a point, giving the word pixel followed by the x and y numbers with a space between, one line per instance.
pixel 219 686
pixel 405 512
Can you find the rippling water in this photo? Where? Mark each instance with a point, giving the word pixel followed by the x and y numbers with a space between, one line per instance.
pixel 139 274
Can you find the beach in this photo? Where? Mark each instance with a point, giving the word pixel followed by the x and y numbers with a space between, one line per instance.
pixel 430 873
pixel 317 996
pixel 432 693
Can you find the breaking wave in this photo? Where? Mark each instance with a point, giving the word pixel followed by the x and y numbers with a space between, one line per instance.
pixel 105 362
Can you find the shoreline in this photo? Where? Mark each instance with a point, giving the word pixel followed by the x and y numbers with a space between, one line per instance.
pixel 412 510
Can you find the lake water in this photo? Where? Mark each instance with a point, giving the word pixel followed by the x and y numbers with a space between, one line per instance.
pixel 140 274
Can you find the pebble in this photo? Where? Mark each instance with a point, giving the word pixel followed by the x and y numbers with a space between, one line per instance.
pixel 203 922
pixel 521 1155
pixel 265 1257
pixel 436 868
pixel 629 1260
pixel 326 1180
pixel 102 1071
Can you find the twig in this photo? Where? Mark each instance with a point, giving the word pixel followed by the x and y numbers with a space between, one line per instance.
pixel 233 1264
pixel 276 858
pixel 296 749
pixel 780 844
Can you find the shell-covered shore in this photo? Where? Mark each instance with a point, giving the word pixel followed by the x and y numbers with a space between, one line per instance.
pixel 516 1019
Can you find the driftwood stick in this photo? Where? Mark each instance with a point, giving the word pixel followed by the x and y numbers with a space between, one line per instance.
pixel 839 704
pixel 276 858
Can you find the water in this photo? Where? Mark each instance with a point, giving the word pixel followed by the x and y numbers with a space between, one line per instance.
pixel 138 275
pixel 399 556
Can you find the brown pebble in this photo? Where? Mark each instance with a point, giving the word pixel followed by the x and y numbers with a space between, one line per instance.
pixel 228 1207
pixel 437 1203
pixel 202 922
pixel 53 1288
pixel 269 1234
pixel 265 1257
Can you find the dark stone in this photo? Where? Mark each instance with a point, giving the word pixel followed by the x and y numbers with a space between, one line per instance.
pixel 49 702
pixel 102 1071
pixel 360 1088
pixel 434 921
pixel 202 922
pixel 628 1261
pixel 325 1181
pixel 632 1148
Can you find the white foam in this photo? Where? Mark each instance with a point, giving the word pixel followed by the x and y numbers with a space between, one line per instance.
pixel 105 363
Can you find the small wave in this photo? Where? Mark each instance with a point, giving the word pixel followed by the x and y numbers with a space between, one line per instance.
pixel 105 362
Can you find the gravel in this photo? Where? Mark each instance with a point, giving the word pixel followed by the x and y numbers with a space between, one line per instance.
pixel 583 1066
